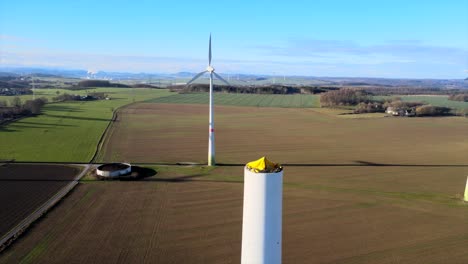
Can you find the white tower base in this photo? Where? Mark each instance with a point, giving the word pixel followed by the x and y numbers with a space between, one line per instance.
pixel 262 217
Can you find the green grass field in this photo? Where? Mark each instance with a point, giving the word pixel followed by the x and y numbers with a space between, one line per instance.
pixel 50 93
pixel 260 100
pixel 435 100
pixel 47 93
pixel 67 131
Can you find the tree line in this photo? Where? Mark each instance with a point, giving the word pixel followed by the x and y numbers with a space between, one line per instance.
pixel 18 109
pixel 462 97
pixel 265 89
pixel 104 83
pixel 385 91
pixel 363 103
pixel 99 83
pixel 75 97
pixel 344 97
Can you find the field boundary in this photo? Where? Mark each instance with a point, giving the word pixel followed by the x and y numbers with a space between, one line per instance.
pixel 15 232
pixel 104 134
pixel 244 100
pixel 9 121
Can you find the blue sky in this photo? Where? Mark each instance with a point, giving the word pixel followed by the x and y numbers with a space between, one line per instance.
pixel 394 39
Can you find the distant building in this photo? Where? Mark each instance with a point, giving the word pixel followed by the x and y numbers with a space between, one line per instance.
pixel 392 111
pixel 400 112
pixel 411 112
pixel 15 91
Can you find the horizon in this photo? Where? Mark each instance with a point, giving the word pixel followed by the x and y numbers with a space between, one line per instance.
pixel 363 39
pixel 24 70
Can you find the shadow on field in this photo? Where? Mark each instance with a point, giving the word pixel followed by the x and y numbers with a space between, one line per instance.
pixel 81 118
pixel 20 126
pixel 146 174
pixel 190 178
pixel 138 173
pixel 63 108
pixel 177 179
pixel 3 128
pixel 44 124
pixel 368 163
pixel 358 163
pixel 32 180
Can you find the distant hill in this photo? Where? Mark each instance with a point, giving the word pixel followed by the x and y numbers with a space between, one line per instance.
pixel 45 75
pixel 8 74
pixel 44 72
pixel 99 83
pixel 12 81
pixel 266 89
pixel 246 79
pixel 185 74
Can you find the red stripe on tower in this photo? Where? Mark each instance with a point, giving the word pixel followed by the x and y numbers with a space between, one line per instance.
pixel 211 129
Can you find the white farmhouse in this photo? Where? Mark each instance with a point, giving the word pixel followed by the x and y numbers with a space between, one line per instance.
pixel 392 111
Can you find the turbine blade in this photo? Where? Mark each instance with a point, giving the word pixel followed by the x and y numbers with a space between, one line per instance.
pixel 196 77
pixel 209 53
pixel 221 78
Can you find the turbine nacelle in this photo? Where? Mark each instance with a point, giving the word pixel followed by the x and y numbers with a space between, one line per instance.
pixel 210 69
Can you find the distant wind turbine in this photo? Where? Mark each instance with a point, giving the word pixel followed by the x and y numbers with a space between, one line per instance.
pixel 211 138
pixel 33 90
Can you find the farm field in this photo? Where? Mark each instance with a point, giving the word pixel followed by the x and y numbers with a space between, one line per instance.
pixel 66 131
pixel 24 188
pixel 259 100
pixel 331 214
pixel 50 93
pixel 170 133
pixel 47 93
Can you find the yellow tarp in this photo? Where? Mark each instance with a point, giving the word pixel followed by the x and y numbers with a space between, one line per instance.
pixel 263 165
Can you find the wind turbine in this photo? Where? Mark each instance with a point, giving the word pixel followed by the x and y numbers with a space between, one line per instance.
pixel 33 90
pixel 211 138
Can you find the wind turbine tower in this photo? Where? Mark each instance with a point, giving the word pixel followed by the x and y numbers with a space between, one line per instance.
pixel 211 135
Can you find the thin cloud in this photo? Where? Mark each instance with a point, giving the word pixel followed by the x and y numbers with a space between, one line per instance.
pixel 349 51
pixel 352 63
pixel 99 62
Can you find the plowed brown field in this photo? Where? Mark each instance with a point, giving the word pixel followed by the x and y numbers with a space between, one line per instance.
pixel 24 188
pixel 153 133
pixel 363 214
